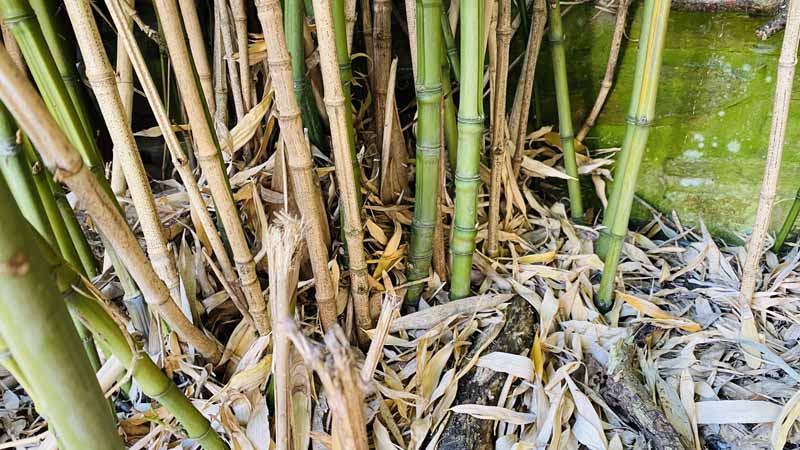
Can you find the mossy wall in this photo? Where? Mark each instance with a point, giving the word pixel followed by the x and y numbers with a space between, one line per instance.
pixel 707 147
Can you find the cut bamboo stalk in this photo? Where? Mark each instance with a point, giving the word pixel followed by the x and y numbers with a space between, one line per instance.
pixel 301 166
pixel 564 112
pixel 125 85
pixel 209 157
pixel 499 126
pixel 194 31
pixel 60 156
pixel 522 100
pixel 104 84
pixel 608 78
pixel 429 103
pixel 240 26
pixel 788 224
pixel 780 113
pixel 234 76
pixel 345 176
pixel 39 344
pixel 654 30
pixel 470 140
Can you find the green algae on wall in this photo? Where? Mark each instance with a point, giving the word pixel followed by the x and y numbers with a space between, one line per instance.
pixel 707 147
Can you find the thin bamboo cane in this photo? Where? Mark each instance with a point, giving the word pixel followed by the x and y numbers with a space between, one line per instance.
pixel 220 79
pixel 198 48
pixel 381 59
pixel 340 23
pixel 787 63
pixel 429 103
pixel 40 344
pixel 654 30
pixel 499 125
pixel 470 139
pixel 301 166
pixel 450 44
pixel 240 25
pixel 345 176
pixel 209 157
pixel 411 21
pixel 449 123
pixel 522 99
pixel 104 84
pixel 125 85
pixel 60 156
pixel 366 29
pixel 234 76
pixel 608 78
pixel 788 224
pixel 564 112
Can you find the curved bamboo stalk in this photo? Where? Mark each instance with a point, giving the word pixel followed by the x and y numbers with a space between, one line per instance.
pixel 240 25
pixel 608 78
pixel 564 112
pixel 470 138
pixel 345 176
pixel 654 30
pixel 60 156
pixel 39 344
pixel 780 113
pixel 198 48
pixel 125 86
pixel 208 155
pixel 301 166
pixel 499 125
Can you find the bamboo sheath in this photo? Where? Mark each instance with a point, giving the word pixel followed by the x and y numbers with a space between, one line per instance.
pixel 301 166
pixel 67 166
pixel 198 48
pixel 209 158
pixel 38 344
pixel 345 176
pixel 411 21
pixel 104 84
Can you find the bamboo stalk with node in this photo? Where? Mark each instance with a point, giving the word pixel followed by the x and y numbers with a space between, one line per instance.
pixel 651 45
pixel 470 146
pixel 429 103
pixel 345 176
pixel 556 38
pixel 787 63
pixel 340 25
pixel 240 28
pixel 608 78
pixel 208 156
pixel 499 126
pixel 301 166
pixel 61 158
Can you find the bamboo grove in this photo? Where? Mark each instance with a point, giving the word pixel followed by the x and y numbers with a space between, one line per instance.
pixel 284 126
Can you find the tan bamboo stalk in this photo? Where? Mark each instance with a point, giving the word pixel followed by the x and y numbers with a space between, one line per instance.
pixel 381 59
pixel 780 112
pixel 233 72
pixel 197 45
pixel 64 161
pixel 179 157
pixel 499 125
pixel 220 79
pixel 411 21
pixel 366 29
pixel 208 156
pixel 334 103
pixel 522 100
pixel 301 166
pixel 350 22
pixel 240 25
pixel 125 86
pixel 608 78
pixel 104 84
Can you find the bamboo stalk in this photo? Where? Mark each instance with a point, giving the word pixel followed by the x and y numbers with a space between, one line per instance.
pixel 788 224
pixel 429 103
pixel 522 99
pixel 608 78
pixel 39 344
pixel 209 157
pixel 340 24
pixel 564 112
pixel 104 84
pixel 197 46
pixel 780 112
pixel 220 79
pixel 381 59
pixel 60 156
pixel 234 76
pixel 125 85
pixel 499 125
pixel 240 25
pixel 450 44
pixel 654 30
pixel 449 121
pixel 411 21
pixel 301 166
pixel 345 176
pixel 366 29
pixel 470 140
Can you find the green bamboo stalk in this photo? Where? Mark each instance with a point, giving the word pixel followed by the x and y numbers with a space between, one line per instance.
pixel 788 224
pixel 654 30
pixel 41 346
pixel 429 101
pixel 450 123
pixel 346 74
pixel 470 146
pixel 450 44
pixel 564 111
pixel 293 24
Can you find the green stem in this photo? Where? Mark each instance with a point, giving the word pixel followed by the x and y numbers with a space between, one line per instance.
pixel 346 74
pixel 470 146
pixel 788 224
pixel 564 111
pixel 450 123
pixel 654 30
pixel 42 346
pixel 450 44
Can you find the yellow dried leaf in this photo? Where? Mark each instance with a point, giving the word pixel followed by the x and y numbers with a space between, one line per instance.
pixel 651 310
